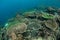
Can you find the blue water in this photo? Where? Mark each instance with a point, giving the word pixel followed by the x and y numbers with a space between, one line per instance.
pixel 8 8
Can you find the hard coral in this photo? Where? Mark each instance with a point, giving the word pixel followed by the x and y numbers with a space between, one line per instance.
pixel 52 24
pixel 32 25
pixel 18 28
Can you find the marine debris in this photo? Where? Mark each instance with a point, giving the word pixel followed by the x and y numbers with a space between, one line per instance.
pixel 32 25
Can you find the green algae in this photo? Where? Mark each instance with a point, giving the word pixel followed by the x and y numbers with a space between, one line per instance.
pixel 47 15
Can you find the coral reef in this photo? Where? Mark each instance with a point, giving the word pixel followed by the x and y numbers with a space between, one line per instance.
pixel 33 25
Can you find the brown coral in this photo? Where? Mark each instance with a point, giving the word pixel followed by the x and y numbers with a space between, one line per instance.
pixel 52 24
pixel 17 28
pixel 13 36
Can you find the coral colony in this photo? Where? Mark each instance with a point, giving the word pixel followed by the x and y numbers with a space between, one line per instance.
pixel 33 25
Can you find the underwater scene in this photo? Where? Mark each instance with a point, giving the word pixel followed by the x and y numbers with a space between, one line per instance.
pixel 29 19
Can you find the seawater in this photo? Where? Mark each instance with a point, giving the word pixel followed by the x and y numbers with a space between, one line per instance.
pixel 8 8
